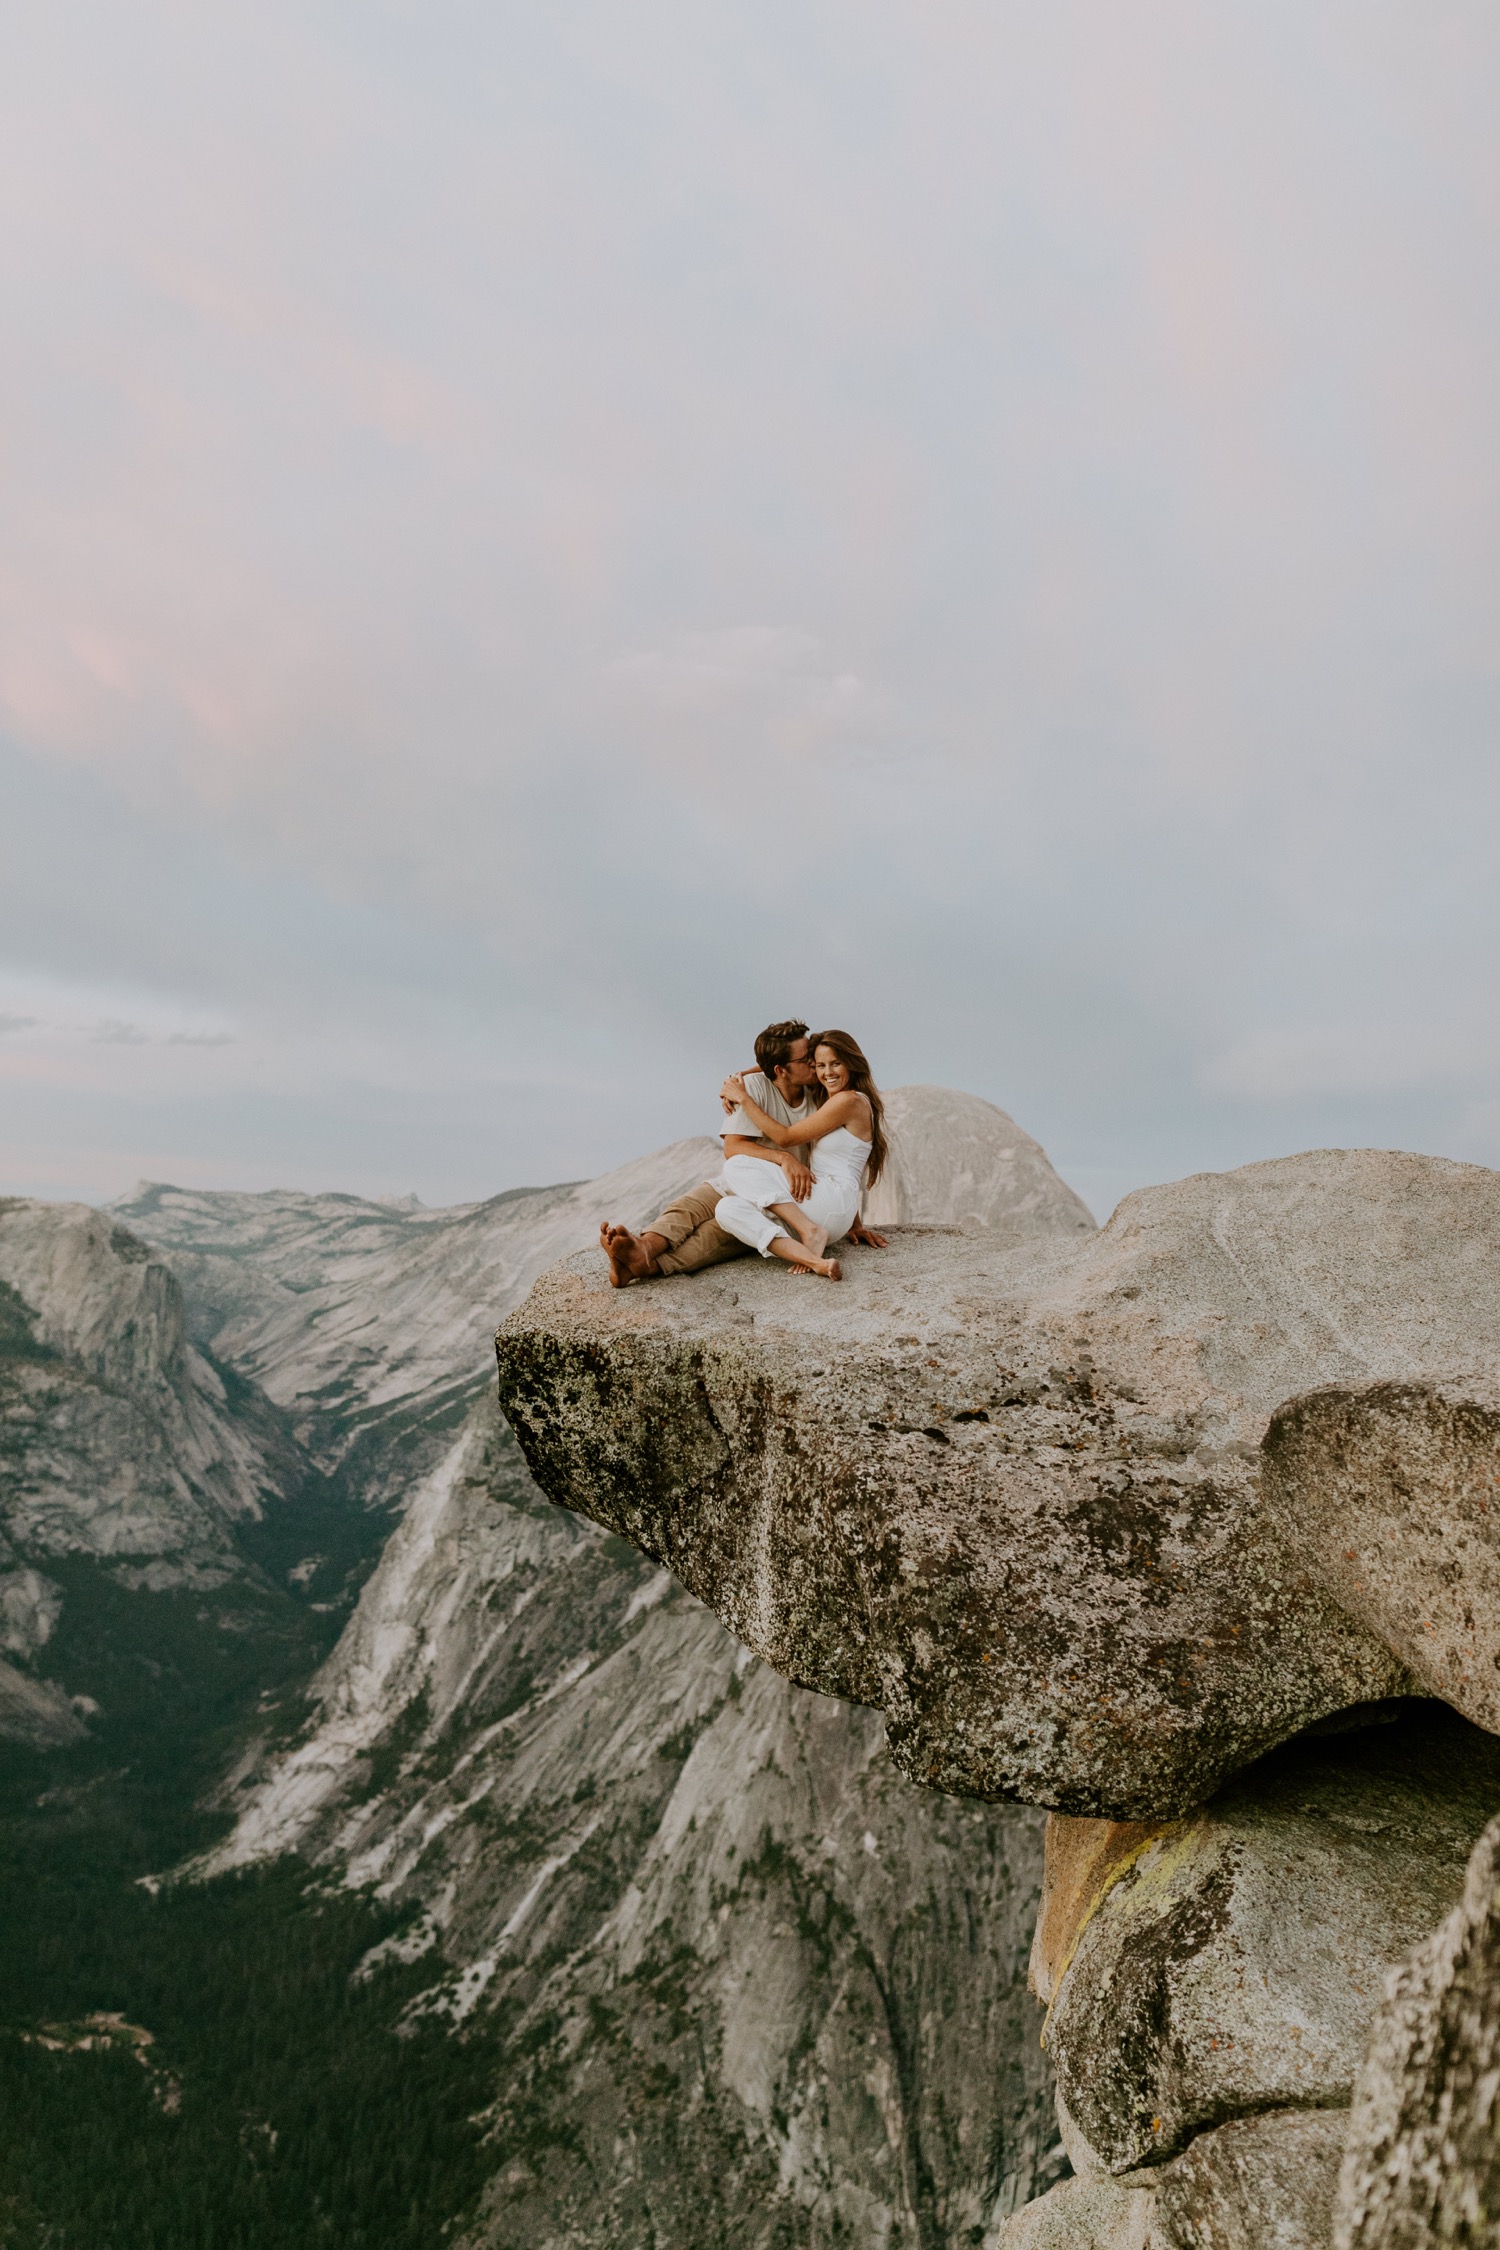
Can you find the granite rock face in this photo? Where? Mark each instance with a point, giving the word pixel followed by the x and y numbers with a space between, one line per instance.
pixel 1213 1968
pixel 1088 2212
pixel 118 1436
pixel 753 1988
pixel 36 1712
pixel 132 1464
pixel 1264 2182
pixel 1011 1494
pixel 1211 1984
pixel 1422 2166
pixel 1255 2183
pixel 1391 1492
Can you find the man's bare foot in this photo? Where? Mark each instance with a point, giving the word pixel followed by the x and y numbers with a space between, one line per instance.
pixel 629 1259
pixel 615 1243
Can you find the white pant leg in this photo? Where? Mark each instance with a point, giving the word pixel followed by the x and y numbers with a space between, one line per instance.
pixel 756 1179
pixel 829 1206
pixel 745 1216
pixel 754 1183
pixel 748 1222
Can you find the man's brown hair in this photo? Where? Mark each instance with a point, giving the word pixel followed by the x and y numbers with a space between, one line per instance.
pixel 773 1049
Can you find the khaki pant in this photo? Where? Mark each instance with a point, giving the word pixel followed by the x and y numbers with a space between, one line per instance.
pixel 694 1237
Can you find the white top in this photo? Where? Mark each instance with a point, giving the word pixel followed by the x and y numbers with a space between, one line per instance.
pixel 841 1156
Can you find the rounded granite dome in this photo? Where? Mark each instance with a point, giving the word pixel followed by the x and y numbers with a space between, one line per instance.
pixel 958 1161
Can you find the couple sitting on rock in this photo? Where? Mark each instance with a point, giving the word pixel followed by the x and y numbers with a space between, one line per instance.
pixel 804 1136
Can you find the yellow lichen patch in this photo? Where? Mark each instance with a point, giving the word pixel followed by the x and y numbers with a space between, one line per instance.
pixel 1084 1861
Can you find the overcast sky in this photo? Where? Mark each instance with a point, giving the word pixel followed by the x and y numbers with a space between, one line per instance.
pixel 537 538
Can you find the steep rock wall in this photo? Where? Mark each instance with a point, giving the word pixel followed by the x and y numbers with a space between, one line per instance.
pixel 755 1989
pixel 119 1435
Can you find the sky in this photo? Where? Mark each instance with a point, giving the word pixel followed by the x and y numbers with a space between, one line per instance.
pixel 536 540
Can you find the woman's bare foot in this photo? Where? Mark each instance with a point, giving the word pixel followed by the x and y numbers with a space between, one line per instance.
pixel 792 1254
pixel 629 1259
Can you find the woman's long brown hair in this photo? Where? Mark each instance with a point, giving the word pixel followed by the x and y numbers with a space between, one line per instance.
pixel 852 1055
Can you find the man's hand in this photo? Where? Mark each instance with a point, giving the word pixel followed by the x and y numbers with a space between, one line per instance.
pixel 860 1233
pixel 799 1180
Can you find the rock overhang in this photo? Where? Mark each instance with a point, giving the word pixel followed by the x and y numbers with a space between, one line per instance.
pixel 1011 1493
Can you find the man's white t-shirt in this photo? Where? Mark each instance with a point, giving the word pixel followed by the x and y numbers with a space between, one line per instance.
pixel 763 1090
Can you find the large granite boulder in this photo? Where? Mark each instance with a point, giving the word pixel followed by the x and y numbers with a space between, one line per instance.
pixel 958 1161
pixel 1422 2167
pixel 1088 2212
pixel 1010 1492
pixel 1391 1491
pixel 1211 1982
pixel 1258 2183
pixel 1213 1968
pixel 1264 2182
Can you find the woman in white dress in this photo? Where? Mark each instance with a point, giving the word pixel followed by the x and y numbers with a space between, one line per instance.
pixel 846 1148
